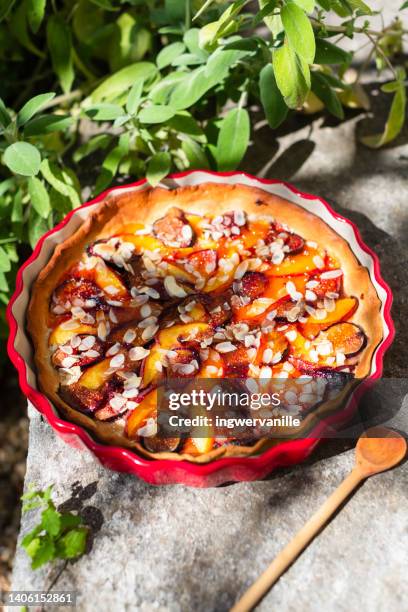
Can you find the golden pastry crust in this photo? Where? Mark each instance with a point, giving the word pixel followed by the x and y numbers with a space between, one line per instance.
pixel 119 210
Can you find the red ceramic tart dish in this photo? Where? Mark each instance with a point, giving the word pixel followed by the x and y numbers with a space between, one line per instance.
pixel 201 281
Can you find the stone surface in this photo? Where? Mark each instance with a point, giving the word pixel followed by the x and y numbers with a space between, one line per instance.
pixel 179 549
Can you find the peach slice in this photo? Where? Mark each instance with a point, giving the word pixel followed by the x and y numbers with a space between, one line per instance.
pixel 144 243
pixel 204 262
pixel 198 313
pixel 61 336
pixel 172 336
pixel 309 262
pixel 151 367
pixel 198 446
pixel 256 230
pixel 95 376
pixel 344 308
pixel 137 418
pixel 110 282
pixel 277 285
pixel 179 273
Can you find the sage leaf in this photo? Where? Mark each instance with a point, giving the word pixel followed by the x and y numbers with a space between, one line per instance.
pixel 156 113
pixel 39 197
pixel 196 156
pixel 45 124
pixel 5 118
pixel 134 97
pixel 271 98
pixel 37 226
pixel 299 31
pixel 306 5
pixel 327 53
pixel 292 75
pixel 327 95
pixel 233 139
pixel 168 54
pixel 5 265
pixel 394 122
pixel 22 158
pixel 31 107
pixel 104 111
pixel 100 141
pixel 60 48
pixel 121 81
pixel 158 167
pixel 35 13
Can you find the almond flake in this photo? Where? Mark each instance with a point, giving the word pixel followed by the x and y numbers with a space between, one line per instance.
pixel 225 347
pixel 137 353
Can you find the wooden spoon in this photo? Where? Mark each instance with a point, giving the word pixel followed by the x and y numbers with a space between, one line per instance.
pixel 377 450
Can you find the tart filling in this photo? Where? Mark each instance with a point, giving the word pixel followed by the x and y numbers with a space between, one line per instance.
pixel 193 294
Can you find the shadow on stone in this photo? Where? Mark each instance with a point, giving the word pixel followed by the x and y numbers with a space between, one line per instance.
pixel 91 515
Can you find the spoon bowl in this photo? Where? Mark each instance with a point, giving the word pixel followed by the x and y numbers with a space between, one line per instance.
pixel 379 449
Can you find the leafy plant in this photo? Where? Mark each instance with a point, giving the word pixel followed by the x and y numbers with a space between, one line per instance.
pixel 57 535
pixel 135 88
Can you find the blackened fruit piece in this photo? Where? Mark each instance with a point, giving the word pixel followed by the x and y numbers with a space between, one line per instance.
pixel 252 285
pixel 173 229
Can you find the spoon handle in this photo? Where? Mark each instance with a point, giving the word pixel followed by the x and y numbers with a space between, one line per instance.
pixel 286 557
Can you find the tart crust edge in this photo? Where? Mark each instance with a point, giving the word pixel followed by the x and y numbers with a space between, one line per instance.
pixel 148 205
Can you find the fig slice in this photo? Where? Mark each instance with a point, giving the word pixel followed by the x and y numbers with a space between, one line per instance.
pixel 252 285
pixel 348 338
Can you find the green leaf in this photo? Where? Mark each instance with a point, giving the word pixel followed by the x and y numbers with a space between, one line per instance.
pixel 327 95
pixel 61 180
pixel 18 26
pixel 292 75
pixel 361 7
pixel 44 553
pixel 3 282
pixel 22 158
pixel 122 80
pixel 32 544
pixel 69 520
pixel 394 123
pixel 37 226
pixel 158 167
pixel 134 97
pixel 299 31
pixel 45 124
pixel 169 53
pixel 5 8
pixel 271 98
pixel 196 156
pixel 29 537
pixel 403 6
pixel 5 265
pixel 190 89
pixel 184 123
pixel 31 107
pixel 203 8
pixel 225 25
pixel 74 542
pixel 273 22
pixel 341 7
pixel 51 521
pixel 5 118
pixel 156 113
pixel 160 93
pixel 35 13
pixel 104 111
pixel 100 141
pixel 306 5
pixel 233 139
pixel 39 197
pixel 327 53
pixel 111 163
pixel 60 47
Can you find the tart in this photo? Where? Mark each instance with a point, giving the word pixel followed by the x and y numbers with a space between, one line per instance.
pixel 208 281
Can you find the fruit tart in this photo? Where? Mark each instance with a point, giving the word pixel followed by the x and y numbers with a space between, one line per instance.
pixel 206 281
